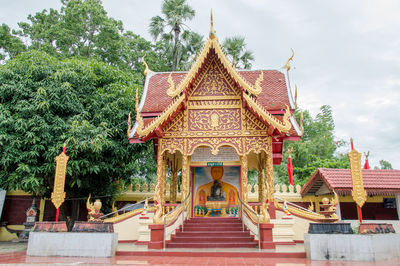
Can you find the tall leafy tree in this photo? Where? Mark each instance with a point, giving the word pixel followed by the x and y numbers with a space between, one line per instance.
pixel 10 45
pixel 171 25
pixel 316 149
pixel 235 47
pixel 384 165
pixel 45 102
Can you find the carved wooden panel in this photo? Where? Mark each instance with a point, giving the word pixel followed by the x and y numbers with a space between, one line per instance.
pixel 214 80
pixel 251 122
pixel 214 120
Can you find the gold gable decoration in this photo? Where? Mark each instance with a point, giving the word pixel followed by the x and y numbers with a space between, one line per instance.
pixel 213 43
pixel 58 194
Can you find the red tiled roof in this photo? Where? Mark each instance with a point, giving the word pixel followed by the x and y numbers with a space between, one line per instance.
pixel 375 181
pixel 274 95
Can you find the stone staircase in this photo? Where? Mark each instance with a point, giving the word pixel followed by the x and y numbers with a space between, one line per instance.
pixel 208 232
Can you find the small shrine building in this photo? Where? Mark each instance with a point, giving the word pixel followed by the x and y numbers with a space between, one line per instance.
pixel 213 124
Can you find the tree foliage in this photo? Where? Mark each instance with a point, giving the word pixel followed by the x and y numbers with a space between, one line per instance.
pixel 178 42
pixel 45 102
pixel 235 47
pixel 384 165
pixel 316 149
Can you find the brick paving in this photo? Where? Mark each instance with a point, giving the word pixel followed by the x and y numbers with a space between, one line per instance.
pixel 14 254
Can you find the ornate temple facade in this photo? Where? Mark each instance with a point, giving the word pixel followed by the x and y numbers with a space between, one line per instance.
pixel 215 116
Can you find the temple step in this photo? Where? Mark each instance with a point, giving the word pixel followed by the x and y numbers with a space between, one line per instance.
pixel 212 233
pixel 209 239
pixel 210 228
pixel 205 232
pixel 212 245
pixel 216 219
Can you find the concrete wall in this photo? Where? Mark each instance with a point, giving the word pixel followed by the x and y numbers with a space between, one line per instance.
pixel 72 244
pixel 356 223
pixel 352 247
pixel 129 229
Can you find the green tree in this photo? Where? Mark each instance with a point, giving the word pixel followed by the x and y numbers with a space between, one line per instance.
pixel 45 102
pixel 175 13
pixel 10 45
pixel 235 47
pixel 384 165
pixel 316 149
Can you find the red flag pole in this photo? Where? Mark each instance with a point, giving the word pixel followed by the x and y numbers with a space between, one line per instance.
pixel 290 170
pixel 290 167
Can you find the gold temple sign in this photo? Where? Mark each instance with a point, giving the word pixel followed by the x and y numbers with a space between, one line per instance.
pixel 58 194
pixel 215 163
pixel 359 194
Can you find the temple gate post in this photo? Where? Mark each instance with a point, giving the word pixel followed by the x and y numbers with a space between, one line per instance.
pixel 244 177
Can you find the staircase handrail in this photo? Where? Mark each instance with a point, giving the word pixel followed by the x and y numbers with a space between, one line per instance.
pixel 295 205
pixel 182 207
pixel 254 213
pixel 125 207
pixel 300 211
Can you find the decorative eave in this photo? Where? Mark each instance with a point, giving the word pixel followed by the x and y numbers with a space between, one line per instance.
pixel 212 43
pixel 159 120
pixel 283 126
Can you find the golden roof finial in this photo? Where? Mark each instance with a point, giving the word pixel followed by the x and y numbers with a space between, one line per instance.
pixel 212 31
pixel 290 151
pixel 147 69
pixel 287 65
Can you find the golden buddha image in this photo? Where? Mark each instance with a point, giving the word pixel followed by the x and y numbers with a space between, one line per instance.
pixel 217 190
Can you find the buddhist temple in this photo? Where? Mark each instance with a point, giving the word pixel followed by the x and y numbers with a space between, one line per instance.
pixel 213 124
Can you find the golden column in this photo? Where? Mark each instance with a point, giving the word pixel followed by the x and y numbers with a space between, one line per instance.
pixel 269 172
pixel 185 177
pixel 173 165
pixel 159 192
pixel 261 177
pixel 268 178
pixel 244 177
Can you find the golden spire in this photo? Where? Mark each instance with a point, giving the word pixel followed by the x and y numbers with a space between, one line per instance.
pixel 287 65
pixel 212 31
pixel 147 69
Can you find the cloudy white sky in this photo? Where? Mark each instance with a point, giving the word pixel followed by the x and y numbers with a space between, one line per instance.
pixel 347 54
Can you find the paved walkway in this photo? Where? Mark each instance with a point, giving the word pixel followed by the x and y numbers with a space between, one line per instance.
pixel 14 253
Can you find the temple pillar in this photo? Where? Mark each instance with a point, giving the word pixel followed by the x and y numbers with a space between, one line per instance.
pixel 269 172
pixel 185 177
pixel 159 191
pixel 244 170
pixel 260 184
pixel 173 166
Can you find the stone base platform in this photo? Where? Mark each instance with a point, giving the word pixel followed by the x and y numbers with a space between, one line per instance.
pixel 70 244
pixel 349 247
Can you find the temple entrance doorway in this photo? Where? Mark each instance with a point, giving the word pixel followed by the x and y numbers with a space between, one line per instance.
pixel 215 182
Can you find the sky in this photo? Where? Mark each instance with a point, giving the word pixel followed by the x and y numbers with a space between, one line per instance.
pixel 347 54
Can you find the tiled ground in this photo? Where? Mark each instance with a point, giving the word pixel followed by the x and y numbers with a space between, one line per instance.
pixel 15 254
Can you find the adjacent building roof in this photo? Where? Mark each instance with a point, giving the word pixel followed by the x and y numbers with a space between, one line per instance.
pixel 376 182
